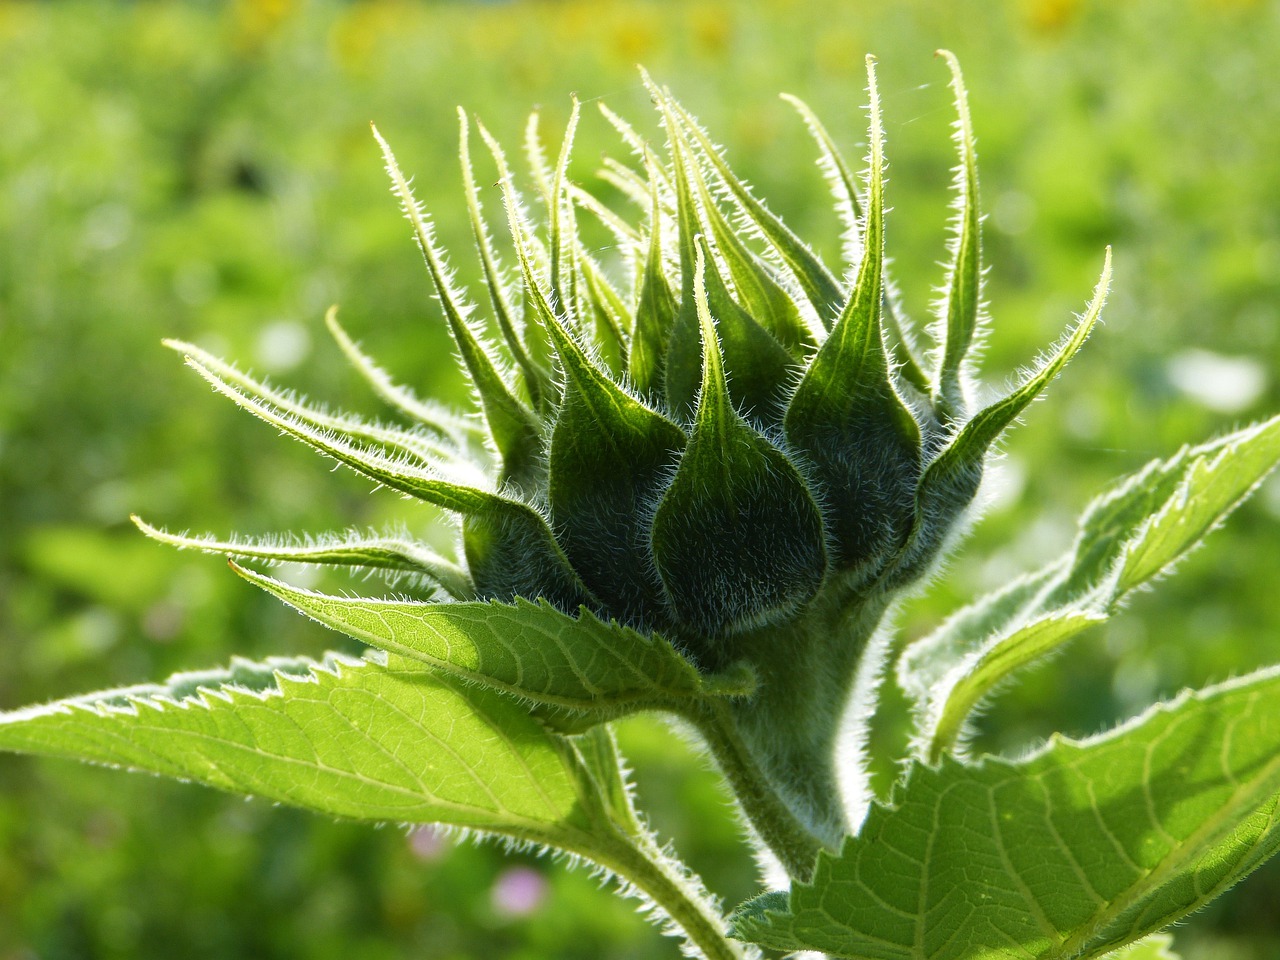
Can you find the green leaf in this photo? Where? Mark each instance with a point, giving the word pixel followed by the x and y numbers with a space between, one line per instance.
pixel 846 416
pixel 531 650
pixel 395 555
pixel 960 692
pixel 737 537
pixel 1158 947
pixel 964 272
pixel 1128 536
pixel 515 429
pixel 1212 487
pixel 1076 851
pixel 372 739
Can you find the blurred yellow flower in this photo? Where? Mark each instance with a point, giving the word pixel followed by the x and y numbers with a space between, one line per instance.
pixel 254 22
pixel 1052 16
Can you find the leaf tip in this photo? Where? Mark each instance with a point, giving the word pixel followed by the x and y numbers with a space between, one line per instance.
pixel 178 346
pixel 153 532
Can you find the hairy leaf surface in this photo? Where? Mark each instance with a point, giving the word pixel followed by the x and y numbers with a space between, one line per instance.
pixel 1074 852
pixel 1128 536
pixel 373 739
pixel 531 650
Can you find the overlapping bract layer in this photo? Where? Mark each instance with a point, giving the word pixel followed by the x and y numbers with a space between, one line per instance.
pixel 704 446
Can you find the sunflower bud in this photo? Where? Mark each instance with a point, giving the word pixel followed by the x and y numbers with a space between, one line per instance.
pixel 731 445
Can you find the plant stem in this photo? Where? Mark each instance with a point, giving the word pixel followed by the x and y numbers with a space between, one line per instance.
pixel 772 819
pixel 780 748
pixel 638 859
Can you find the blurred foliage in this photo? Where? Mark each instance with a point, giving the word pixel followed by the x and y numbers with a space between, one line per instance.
pixel 204 170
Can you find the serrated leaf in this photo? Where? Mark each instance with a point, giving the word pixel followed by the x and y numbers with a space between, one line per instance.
pixel 737 537
pixel 1212 488
pixel 531 650
pixel 392 554
pixel 349 738
pixel 964 271
pixel 960 692
pixel 1074 852
pixel 846 417
pixel 1128 536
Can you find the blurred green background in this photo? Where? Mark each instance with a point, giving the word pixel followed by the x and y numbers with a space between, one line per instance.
pixel 205 171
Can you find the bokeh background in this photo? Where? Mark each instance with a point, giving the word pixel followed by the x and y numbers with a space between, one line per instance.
pixel 205 171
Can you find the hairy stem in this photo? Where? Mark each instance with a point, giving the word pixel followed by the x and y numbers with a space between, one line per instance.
pixel 637 858
pixel 781 749
pixel 773 820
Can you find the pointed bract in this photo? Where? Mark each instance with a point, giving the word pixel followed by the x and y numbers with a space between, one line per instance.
pixel 823 291
pixel 849 207
pixel 514 428
pixel 394 555
pixel 846 418
pixel 444 423
pixel 737 538
pixel 656 308
pixel 951 479
pixel 964 273
pixel 610 455
pixel 503 311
